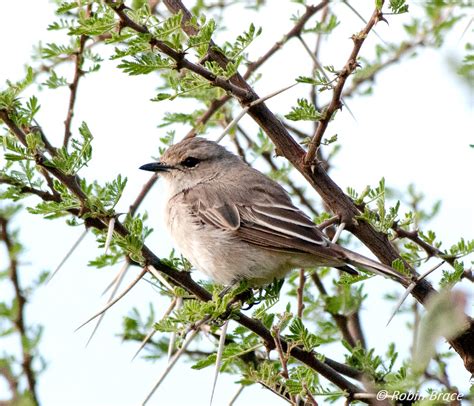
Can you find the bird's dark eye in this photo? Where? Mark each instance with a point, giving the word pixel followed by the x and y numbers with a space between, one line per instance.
pixel 190 162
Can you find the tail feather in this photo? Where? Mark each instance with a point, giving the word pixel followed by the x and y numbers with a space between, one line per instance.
pixel 358 260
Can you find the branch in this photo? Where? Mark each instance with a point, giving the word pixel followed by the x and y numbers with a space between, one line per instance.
pixel 430 250
pixel 178 57
pixel 294 32
pixel 78 73
pixel 176 6
pixel 29 190
pixel 19 318
pixel 336 103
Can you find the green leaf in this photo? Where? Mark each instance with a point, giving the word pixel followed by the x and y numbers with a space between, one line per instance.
pixel 145 63
pixel 398 6
pixel 449 279
pixel 304 111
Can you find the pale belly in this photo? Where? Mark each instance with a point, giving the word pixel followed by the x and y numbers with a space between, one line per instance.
pixel 223 257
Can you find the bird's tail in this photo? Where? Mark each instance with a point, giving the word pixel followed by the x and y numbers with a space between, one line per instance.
pixel 360 261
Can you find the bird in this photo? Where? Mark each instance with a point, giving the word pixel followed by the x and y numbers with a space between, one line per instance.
pixel 234 223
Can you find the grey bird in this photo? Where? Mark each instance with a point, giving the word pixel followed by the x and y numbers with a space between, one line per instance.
pixel 234 223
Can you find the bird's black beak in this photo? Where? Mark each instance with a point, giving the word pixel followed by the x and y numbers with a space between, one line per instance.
pixel 156 167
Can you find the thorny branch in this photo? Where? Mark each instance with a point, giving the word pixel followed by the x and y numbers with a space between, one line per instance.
pixel 281 138
pixel 253 66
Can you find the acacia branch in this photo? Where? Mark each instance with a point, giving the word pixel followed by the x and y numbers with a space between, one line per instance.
pixel 178 57
pixel 177 6
pixel 430 250
pixel 28 189
pixel 346 71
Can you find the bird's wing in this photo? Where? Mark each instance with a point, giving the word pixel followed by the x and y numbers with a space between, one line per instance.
pixel 278 227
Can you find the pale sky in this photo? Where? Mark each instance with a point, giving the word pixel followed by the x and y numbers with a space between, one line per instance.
pixel 415 128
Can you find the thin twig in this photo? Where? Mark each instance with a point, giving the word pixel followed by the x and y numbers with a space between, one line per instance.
pixel 323 72
pixel 18 318
pixel 254 66
pixel 78 73
pixel 335 103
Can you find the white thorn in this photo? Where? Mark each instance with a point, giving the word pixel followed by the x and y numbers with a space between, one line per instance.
pixel 409 289
pixel 423 276
pixel 339 230
pixel 112 282
pixel 118 279
pixel 76 244
pixel 270 95
pixel 254 103
pixel 232 123
pixel 220 351
pixel 400 301
pixel 153 331
pixel 171 365
pixel 179 304
pixel 148 337
pixel 110 233
pixel 109 305
pixel 158 276
pixel 234 398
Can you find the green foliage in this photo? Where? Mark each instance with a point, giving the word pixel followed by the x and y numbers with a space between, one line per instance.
pixel 14 323
pixel 70 162
pixel 54 81
pixel 324 27
pixel 300 335
pixel 137 53
pixel 99 23
pixel 381 218
pixel 235 49
pixel 304 111
pixel 201 41
pixel 450 278
pixel 8 97
pixel 145 63
pixel 398 6
pixel 132 243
